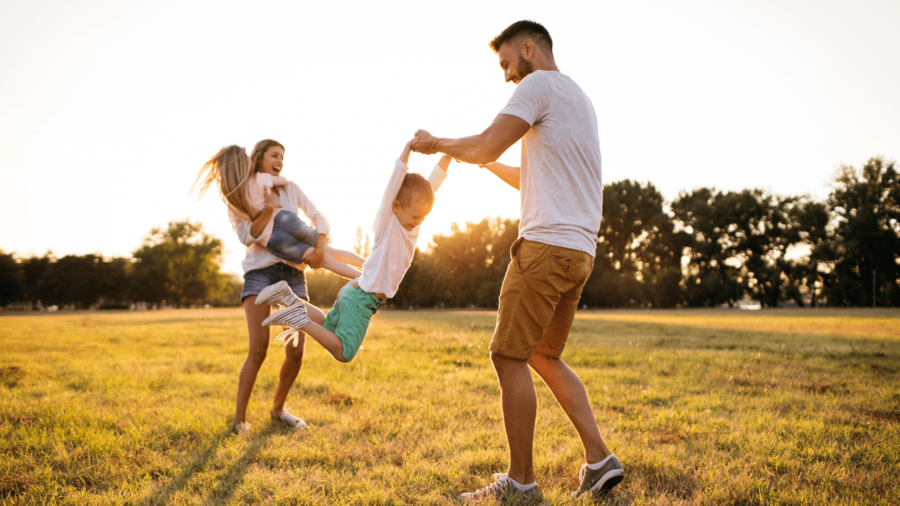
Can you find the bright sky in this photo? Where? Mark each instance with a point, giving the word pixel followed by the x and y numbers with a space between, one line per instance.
pixel 108 109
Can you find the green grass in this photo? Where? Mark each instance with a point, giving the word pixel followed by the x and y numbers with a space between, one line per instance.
pixel 702 407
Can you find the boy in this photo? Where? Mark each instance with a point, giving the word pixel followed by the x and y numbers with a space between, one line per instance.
pixel 407 200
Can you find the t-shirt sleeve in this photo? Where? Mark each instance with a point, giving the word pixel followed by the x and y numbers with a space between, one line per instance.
pixel 386 209
pixel 264 180
pixel 529 101
pixel 437 177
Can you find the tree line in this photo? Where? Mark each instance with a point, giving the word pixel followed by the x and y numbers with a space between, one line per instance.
pixel 179 265
pixel 705 248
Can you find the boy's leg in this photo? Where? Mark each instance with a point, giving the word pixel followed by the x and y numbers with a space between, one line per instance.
pixel 328 339
pixel 348 257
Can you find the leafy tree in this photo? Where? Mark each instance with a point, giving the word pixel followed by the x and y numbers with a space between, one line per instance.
pixel 178 264
pixel 866 242
pixel 35 287
pixel 711 279
pixel 74 280
pixel 639 253
pixel 809 229
pixel 10 279
pixel 464 267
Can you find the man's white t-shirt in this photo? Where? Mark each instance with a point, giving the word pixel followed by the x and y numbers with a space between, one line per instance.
pixel 560 177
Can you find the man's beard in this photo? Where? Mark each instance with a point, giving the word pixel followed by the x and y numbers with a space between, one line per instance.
pixel 525 67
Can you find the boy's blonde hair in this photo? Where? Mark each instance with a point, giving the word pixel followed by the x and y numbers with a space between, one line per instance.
pixel 415 188
pixel 230 170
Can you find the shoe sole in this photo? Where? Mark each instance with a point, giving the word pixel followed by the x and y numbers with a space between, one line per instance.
pixel 268 321
pixel 263 297
pixel 607 482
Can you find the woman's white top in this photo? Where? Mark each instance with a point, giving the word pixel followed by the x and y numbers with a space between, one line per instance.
pixel 258 257
pixel 394 246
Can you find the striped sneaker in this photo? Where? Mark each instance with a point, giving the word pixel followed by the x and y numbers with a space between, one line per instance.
pixel 288 420
pixel 294 318
pixel 503 489
pixel 598 482
pixel 279 293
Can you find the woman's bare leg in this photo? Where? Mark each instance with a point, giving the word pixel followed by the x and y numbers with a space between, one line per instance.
pixel 335 266
pixel 290 368
pixel 348 257
pixel 256 355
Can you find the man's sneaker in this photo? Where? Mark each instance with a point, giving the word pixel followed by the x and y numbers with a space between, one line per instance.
pixel 293 317
pixel 288 420
pixel 240 428
pixel 503 489
pixel 600 481
pixel 279 293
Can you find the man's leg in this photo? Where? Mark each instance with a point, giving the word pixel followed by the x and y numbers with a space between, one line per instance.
pixel 519 411
pixel 572 397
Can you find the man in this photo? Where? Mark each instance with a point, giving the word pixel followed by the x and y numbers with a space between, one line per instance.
pixel 561 204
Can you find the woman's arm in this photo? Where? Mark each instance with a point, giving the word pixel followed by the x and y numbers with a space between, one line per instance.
pixel 509 175
pixel 259 223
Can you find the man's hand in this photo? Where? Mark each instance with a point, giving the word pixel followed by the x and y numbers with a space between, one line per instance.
pixel 317 258
pixel 425 143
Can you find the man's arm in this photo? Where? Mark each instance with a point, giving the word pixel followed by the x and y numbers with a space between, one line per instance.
pixel 479 149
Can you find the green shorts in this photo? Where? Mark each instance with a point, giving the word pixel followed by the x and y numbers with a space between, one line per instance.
pixel 349 318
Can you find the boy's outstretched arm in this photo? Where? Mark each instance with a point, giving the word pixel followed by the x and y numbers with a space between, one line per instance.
pixel 445 162
pixel 404 156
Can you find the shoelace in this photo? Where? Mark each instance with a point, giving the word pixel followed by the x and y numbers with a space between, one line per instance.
pixel 285 336
pixel 287 417
pixel 584 468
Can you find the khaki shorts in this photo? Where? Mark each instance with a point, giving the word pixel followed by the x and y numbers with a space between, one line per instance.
pixel 538 299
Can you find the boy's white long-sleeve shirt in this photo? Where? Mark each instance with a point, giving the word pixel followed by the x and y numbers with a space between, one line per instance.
pixel 258 257
pixel 394 246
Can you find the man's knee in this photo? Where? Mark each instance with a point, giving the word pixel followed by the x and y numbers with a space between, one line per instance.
pixel 505 364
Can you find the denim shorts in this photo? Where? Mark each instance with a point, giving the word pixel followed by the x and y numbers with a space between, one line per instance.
pixel 257 279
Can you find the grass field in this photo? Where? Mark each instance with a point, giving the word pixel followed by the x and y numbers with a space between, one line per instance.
pixel 702 407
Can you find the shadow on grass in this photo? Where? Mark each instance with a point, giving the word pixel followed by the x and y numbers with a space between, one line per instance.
pixel 231 478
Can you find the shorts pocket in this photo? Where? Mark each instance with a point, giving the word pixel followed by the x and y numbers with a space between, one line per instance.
pixel 529 254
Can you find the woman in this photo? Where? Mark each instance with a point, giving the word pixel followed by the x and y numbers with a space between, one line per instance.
pixel 261 269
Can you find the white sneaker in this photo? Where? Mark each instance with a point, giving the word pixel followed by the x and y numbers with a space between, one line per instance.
pixel 293 317
pixel 279 293
pixel 288 420
pixel 240 428
pixel 503 489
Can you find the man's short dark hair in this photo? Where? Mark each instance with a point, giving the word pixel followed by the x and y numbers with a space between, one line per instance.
pixel 521 30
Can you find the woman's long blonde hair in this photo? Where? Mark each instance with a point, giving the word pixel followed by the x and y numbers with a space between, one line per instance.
pixel 229 169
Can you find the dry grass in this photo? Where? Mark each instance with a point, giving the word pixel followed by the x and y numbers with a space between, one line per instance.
pixel 702 407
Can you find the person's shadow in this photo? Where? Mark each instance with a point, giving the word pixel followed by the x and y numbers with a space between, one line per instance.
pixel 229 481
pixel 234 476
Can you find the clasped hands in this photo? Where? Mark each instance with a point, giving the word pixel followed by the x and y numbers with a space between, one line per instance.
pixel 425 143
